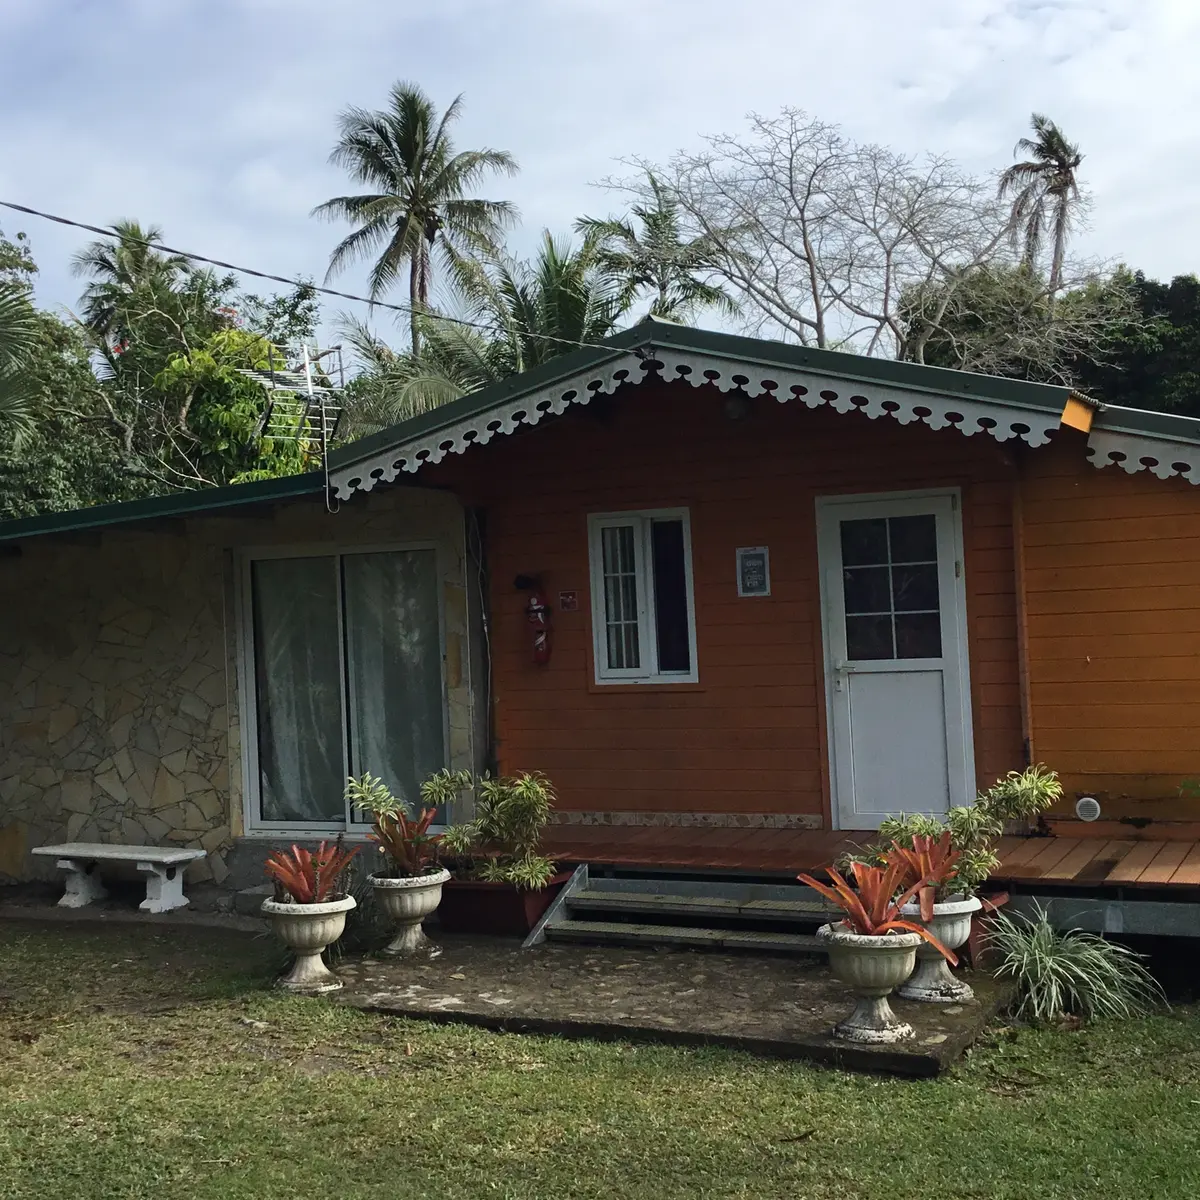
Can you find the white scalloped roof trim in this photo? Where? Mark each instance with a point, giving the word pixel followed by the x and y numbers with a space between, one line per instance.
pixel 1134 452
pixel 969 416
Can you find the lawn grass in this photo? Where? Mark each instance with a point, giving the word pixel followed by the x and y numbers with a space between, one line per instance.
pixel 144 1062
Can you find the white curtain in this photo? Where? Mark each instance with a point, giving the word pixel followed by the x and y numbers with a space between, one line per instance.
pixel 298 689
pixel 394 659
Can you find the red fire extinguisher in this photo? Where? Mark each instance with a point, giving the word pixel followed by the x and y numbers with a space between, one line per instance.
pixel 538 612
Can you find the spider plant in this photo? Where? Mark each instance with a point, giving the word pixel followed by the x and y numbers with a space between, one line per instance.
pixel 874 909
pixel 1069 973
pixel 309 877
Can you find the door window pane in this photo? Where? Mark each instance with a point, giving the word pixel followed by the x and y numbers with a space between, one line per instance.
pixel 869 637
pixel 864 543
pixel 394 663
pixel 297 673
pixel 913 539
pixel 915 588
pixel 670 596
pixel 868 590
pixel 918 635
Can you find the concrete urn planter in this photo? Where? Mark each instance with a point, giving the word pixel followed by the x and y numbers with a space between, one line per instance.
pixel 308 929
pixel 951 925
pixel 872 967
pixel 408 902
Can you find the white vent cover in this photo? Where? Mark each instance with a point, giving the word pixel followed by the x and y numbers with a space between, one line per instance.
pixel 1087 808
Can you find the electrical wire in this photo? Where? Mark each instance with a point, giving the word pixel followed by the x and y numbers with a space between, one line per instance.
pixel 407 310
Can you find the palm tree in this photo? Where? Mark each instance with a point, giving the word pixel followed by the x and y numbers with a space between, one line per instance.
pixel 418 199
pixel 510 316
pixel 18 328
pixel 1045 194
pixel 659 259
pixel 121 268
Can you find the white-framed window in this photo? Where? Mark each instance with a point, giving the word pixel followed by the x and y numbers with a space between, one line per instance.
pixel 342 658
pixel 643 609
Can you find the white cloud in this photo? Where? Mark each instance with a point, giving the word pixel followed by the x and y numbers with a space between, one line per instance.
pixel 215 119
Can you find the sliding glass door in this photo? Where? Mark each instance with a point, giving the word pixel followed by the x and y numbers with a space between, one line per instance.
pixel 347 678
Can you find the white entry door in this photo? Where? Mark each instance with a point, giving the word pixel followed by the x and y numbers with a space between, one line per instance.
pixel 896 677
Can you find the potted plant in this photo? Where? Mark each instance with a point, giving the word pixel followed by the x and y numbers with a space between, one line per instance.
pixel 308 910
pixel 409 886
pixel 873 948
pixel 941 908
pixel 974 829
pixel 500 883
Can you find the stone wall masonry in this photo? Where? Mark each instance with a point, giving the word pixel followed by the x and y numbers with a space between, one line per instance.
pixel 119 714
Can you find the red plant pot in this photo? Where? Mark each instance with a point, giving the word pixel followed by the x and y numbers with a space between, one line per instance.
pixel 472 906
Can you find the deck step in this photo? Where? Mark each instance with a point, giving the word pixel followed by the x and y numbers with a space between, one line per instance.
pixel 806 912
pixel 628 933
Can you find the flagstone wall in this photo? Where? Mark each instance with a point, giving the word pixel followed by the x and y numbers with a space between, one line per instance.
pixel 118 673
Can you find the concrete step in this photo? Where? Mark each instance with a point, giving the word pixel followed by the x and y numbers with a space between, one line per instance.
pixel 806 912
pixel 249 900
pixel 628 933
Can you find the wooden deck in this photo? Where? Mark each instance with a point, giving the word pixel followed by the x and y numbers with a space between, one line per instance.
pixel 1075 861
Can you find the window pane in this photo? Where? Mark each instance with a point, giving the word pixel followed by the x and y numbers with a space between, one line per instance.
pixel 864 543
pixel 869 637
pixel 867 590
pixel 619 563
pixel 918 635
pixel 394 662
pixel 915 588
pixel 670 596
pixel 297 676
pixel 914 539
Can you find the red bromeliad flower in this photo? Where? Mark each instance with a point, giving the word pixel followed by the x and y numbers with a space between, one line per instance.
pixel 309 877
pixel 407 841
pixel 874 909
pixel 928 863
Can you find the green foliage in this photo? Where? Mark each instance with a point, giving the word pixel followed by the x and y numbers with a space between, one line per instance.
pixel 523 314
pixel 283 320
pixel 410 848
pixel 975 828
pixel 657 259
pixel 1069 974
pixel 500 845
pixel 418 197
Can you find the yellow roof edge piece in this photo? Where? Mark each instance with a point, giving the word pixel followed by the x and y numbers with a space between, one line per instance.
pixel 1078 413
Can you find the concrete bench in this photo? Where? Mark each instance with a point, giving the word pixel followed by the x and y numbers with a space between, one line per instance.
pixel 162 866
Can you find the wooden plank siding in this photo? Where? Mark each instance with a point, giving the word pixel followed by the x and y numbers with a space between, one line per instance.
pixel 750 735
pixel 1112 595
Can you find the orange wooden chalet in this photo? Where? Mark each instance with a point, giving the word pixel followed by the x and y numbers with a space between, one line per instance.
pixel 790 591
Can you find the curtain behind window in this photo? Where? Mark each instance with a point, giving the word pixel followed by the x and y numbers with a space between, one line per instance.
pixel 298 688
pixel 394 659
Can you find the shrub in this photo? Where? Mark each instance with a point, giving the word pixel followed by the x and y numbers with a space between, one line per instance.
pixel 500 845
pixel 409 847
pixel 1069 973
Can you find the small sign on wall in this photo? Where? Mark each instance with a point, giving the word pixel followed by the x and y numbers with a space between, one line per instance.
pixel 568 601
pixel 753 571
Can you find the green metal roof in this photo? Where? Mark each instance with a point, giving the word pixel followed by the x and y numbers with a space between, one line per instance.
pixel 179 504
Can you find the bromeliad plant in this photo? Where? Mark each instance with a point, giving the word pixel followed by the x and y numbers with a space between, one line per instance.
pixel 874 909
pixel 411 850
pixel 310 877
pixel 930 865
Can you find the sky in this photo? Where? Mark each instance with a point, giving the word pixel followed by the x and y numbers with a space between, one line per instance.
pixel 214 119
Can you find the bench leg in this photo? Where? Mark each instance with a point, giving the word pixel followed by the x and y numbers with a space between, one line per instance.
pixel 82 884
pixel 164 888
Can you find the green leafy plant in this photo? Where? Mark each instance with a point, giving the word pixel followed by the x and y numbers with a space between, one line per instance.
pixel 974 829
pixel 1070 973
pixel 310 877
pixel 928 864
pixel 405 840
pixel 874 909
pixel 500 845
